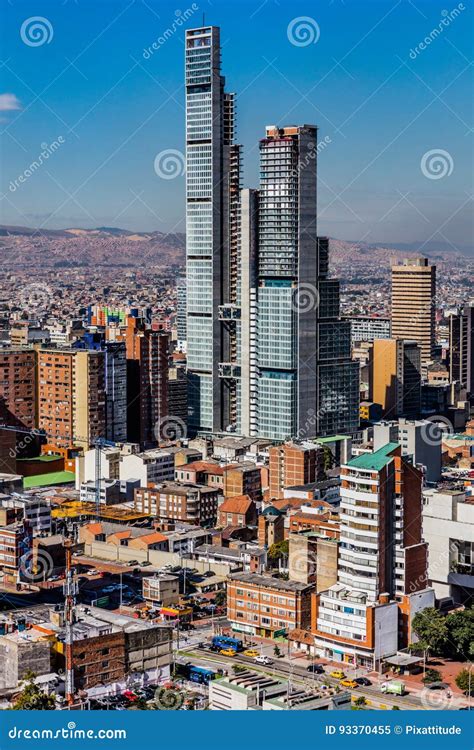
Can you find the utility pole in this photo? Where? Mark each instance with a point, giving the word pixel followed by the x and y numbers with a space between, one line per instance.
pixel 70 591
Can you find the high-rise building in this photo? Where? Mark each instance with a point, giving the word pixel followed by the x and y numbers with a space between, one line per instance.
pixel 305 383
pixel 181 314
pixel 71 396
pixel 18 385
pixel 382 571
pixel 212 260
pixel 461 348
pixel 116 391
pixel 395 377
pixel 414 303
pixel 267 353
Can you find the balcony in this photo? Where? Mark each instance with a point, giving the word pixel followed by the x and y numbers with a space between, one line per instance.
pixel 229 370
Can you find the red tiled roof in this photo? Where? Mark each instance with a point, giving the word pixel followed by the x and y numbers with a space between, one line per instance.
pixel 240 504
pixel 152 538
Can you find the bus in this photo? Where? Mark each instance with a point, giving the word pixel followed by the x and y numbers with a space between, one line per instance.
pixel 195 674
pixel 220 642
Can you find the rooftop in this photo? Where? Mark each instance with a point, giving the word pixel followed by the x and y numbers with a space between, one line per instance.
pixel 269 582
pixel 46 480
pixel 374 461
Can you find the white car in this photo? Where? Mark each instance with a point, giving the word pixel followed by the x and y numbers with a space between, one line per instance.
pixel 263 660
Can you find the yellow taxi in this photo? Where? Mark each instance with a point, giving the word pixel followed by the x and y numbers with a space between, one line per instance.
pixel 348 683
pixel 251 652
pixel 227 652
pixel 338 674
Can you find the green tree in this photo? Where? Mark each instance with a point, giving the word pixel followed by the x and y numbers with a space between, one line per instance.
pixel 460 626
pixel 278 550
pixel 432 675
pixel 360 701
pixel 395 708
pixel 431 628
pixel 238 668
pixel 277 651
pixel 465 682
pixel 32 698
pixel 220 598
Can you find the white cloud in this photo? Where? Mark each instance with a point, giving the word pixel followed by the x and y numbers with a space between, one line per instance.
pixel 9 102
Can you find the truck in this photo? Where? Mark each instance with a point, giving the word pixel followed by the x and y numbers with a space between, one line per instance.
pixel 394 687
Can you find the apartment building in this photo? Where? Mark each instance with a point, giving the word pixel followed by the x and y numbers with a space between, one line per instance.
pixel 382 568
pixel 171 502
pixel 261 605
pixel 293 464
pixel 18 385
pixel 237 511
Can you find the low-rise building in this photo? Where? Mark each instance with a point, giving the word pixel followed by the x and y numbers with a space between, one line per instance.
pixel 172 502
pixel 266 606
pixel 161 590
pixel 237 511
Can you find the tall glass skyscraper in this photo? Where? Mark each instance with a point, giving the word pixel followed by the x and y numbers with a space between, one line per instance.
pixel 212 216
pixel 267 352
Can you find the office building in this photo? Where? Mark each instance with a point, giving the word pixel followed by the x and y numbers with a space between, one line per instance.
pixel 448 528
pixel 181 314
pixel 306 383
pixel 461 348
pixel 212 259
pixel 115 391
pixel 414 303
pixel 368 328
pixel 419 439
pixel 395 377
pixel 266 606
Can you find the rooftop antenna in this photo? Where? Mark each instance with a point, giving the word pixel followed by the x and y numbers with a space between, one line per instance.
pixel 203 19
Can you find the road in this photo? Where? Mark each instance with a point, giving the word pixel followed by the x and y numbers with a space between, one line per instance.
pixel 299 675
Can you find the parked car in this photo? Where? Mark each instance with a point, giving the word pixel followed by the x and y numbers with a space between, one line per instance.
pixel 436 686
pixel 263 660
pixel 318 668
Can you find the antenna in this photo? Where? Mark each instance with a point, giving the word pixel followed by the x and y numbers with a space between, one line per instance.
pixel 203 19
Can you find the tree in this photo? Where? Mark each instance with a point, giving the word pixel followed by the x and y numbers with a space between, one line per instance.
pixel 238 668
pixel 220 598
pixel 277 651
pixel 32 698
pixel 395 708
pixel 278 550
pixel 360 701
pixel 432 675
pixel 460 626
pixel 465 680
pixel 431 628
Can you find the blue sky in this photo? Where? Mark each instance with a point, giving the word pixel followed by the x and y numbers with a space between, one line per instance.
pixel 381 102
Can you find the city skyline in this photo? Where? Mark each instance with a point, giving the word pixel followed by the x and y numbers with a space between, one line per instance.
pixel 325 71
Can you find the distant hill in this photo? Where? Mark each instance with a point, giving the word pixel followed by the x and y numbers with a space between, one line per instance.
pixel 112 246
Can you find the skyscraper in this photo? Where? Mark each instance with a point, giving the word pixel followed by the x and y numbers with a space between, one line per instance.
pixel 395 377
pixel 461 348
pixel 212 263
pixel 414 303
pixel 306 383
pixel 267 353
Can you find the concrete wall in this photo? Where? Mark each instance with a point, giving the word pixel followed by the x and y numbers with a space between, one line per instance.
pixel 110 552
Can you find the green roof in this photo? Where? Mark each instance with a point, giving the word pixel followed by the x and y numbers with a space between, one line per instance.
pixel 332 439
pixel 44 480
pixel 374 461
pixel 45 458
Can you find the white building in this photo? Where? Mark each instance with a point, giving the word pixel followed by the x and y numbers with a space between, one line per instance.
pixel 420 439
pixel 448 527
pixel 150 467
